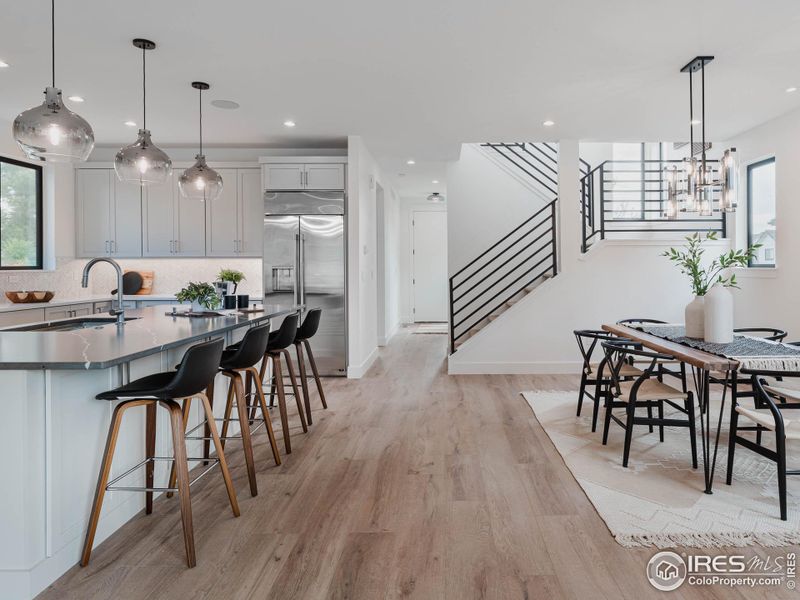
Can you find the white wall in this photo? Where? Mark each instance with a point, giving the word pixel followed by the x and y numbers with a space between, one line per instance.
pixel 388 214
pixel 768 296
pixel 484 203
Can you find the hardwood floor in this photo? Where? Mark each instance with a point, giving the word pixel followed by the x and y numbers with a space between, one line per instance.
pixel 412 484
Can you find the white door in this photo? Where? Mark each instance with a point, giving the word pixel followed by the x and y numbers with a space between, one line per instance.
pixel 221 231
pixel 93 187
pixel 283 176
pixel 324 177
pixel 251 214
pixel 429 282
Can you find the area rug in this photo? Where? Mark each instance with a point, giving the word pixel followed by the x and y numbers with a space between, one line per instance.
pixel 434 328
pixel 658 500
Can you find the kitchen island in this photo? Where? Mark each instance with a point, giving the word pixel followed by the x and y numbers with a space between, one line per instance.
pixel 53 430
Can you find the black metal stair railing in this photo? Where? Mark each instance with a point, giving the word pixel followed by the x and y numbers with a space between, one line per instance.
pixel 523 257
pixel 537 160
pixel 626 199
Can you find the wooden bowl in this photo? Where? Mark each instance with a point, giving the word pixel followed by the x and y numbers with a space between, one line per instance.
pixel 25 297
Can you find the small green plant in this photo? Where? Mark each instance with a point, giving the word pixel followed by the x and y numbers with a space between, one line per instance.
pixel 702 279
pixel 201 292
pixel 233 276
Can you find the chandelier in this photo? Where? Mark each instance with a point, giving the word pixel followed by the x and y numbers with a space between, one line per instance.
pixel 702 186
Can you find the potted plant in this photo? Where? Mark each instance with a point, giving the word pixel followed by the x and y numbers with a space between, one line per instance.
pixel 231 276
pixel 202 295
pixel 703 279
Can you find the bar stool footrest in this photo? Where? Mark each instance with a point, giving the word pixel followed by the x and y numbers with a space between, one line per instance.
pixel 110 487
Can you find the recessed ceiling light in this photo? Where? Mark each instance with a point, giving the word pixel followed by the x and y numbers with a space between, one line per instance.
pixel 289 123
pixel 411 161
pixel 789 90
pixel 75 98
pixel 548 123
pixel 227 104
pixel 695 122
pixel 130 123
pixel 435 181
pixel 3 64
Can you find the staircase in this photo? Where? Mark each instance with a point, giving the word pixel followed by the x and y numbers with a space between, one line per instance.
pixel 521 260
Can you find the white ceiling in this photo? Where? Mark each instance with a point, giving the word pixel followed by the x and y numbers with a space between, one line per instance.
pixel 414 78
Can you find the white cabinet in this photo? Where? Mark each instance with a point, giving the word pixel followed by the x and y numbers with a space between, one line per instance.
pixel 173 225
pixel 235 220
pixel 284 176
pixel 108 215
pixel 101 307
pixel 309 176
pixel 68 311
pixel 324 177
pixel 21 317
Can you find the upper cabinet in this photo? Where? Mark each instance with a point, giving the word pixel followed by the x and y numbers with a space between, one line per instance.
pixel 108 215
pixel 173 225
pixel 235 220
pixel 303 176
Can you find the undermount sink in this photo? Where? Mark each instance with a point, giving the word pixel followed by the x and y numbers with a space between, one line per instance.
pixel 70 324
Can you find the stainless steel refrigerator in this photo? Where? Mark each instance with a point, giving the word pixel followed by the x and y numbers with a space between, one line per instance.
pixel 304 264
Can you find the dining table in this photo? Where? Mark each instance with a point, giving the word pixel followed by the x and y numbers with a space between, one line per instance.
pixel 711 363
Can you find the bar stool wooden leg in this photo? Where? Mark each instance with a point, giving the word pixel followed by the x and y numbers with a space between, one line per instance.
pixel 301 365
pixel 206 428
pixel 316 373
pixel 296 391
pixel 149 452
pixel 182 470
pixel 265 415
pixel 241 407
pixel 228 409
pixel 187 405
pixel 105 469
pixel 223 464
pixel 278 376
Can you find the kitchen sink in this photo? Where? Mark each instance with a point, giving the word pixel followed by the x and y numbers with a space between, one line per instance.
pixel 70 324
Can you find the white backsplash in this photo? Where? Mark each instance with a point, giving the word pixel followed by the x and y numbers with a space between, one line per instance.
pixel 170 275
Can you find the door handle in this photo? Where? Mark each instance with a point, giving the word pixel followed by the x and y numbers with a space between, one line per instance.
pixel 297 267
pixel 302 273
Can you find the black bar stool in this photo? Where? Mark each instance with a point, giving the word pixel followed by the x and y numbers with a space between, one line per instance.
pixel 279 341
pixel 306 331
pixel 195 373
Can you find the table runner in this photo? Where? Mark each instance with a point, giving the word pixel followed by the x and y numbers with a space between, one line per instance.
pixel 751 352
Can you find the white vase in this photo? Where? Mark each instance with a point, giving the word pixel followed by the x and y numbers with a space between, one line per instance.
pixel 695 318
pixel 719 315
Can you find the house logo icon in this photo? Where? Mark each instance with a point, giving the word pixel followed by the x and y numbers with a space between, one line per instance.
pixel 666 571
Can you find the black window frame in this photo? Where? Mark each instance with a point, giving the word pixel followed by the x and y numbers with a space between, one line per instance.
pixel 39 266
pixel 750 168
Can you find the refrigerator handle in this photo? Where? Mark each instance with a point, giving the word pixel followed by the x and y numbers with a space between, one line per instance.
pixel 302 274
pixel 297 268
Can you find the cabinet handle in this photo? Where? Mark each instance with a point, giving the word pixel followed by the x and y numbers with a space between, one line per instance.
pixel 172 246
pixel 113 245
pixel 106 246
pixel 177 246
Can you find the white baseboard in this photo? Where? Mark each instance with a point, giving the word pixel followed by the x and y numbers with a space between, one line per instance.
pixel 358 371
pixel 456 367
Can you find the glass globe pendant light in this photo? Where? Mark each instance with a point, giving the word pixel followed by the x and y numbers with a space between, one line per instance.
pixel 143 162
pixel 200 182
pixel 50 131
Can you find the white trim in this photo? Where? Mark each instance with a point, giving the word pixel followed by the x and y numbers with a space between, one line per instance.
pixel 383 341
pixel 358 371
pixel 333 158
pixel 756 273
pixel 513 368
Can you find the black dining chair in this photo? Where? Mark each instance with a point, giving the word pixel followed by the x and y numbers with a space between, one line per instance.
pixel 592 372
pixel 770 400
pixel 640 321
pixel 646 391
pixel 637 323
pixel 768 333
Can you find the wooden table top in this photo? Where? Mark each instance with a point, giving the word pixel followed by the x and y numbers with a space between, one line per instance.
pixel 690 356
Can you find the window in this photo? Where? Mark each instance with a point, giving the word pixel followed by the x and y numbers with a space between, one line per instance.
pixel 20 215
pixel 761 211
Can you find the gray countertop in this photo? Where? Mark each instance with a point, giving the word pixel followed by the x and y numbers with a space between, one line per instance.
pixel 106 346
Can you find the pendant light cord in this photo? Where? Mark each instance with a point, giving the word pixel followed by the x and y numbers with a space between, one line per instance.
pixel 703 110
pixel 201 121
pixel 691 116
pixel 53 39
pixel 144 89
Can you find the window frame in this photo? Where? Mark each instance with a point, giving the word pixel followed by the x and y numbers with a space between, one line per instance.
pixel 39 266
pixel 749 183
